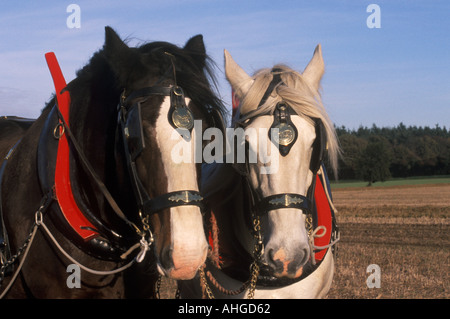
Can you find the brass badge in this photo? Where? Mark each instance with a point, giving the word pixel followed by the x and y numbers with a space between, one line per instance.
pixel 286 200
pixel 182 118
pixel 286 134
pixel 185 196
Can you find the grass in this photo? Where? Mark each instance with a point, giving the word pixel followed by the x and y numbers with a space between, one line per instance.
pixel 394 182
pixel 404 229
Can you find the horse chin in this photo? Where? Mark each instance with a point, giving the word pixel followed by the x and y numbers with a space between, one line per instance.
pixel 185 273
pixel 268 278
pixel 284 274
pixel 268 274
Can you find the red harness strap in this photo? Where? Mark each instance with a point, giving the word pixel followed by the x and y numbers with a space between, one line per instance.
pixel 324 217
pixel 63 189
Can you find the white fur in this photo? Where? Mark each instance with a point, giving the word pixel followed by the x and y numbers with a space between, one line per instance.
pixel 286 227
pixel 188 239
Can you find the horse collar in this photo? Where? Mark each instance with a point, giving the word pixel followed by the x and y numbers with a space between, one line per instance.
pixel 63 189
pixel 68 212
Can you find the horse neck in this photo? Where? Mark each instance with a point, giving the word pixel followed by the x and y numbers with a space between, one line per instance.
pixel 93 122
pixel 230 229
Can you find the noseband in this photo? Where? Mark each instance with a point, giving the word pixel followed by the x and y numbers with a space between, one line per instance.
pixel 132 134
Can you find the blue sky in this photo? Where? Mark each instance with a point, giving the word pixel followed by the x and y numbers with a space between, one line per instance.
pixel 397 73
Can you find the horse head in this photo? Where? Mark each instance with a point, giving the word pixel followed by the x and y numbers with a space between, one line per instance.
pixel 281 163
pixel 158 90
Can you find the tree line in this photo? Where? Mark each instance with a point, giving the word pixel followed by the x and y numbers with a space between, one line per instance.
pixel 379 153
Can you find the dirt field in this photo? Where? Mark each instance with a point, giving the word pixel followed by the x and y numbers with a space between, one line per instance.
pixel 405 230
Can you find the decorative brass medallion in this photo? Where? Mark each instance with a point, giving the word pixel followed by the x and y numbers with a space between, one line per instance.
pixel 182 118
pixel 186 197
pixel 286 134
pixel 286 200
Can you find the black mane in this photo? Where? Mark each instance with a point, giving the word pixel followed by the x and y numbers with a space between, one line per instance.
pixel 194 73
pixel 96 90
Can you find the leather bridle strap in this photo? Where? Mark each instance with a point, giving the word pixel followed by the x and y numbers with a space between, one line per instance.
pixel 89 169
pixel 145 92
pixel 276 80
pixel 285 200
pixel 173 199
pixel 146 204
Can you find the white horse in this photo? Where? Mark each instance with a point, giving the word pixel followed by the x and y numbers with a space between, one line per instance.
pixel 272 231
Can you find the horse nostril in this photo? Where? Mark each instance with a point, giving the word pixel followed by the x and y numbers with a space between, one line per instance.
pixel 274 262
pixel 166 258
pixel 281 265
pixel 302 258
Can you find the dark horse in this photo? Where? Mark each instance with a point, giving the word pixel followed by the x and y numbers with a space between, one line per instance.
pixel 129 107
pixel 12 128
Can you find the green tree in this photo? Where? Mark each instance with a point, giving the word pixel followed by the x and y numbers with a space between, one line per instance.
pixel 375 160
pixel 352 147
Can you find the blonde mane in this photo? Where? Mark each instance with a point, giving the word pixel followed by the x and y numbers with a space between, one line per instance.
pixel 298 94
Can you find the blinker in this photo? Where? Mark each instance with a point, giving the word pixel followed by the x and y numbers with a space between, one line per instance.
pixel 287 132
pixel 133 131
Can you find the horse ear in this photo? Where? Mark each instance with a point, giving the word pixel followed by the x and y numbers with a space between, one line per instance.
pixel 121 58
pixel 112 41
pixel 240 81
pixel 196 48
pixel 196 44
pixel 315 69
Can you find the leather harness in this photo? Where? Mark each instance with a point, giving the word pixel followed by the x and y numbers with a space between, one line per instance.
pixel 70 214
pixel 316 203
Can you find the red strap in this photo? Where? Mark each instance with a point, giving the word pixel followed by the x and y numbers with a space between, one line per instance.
pixel 63 188
pixel 323 217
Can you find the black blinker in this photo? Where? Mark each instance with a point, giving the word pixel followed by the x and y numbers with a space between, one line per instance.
pixel 287 132
pixel 133 131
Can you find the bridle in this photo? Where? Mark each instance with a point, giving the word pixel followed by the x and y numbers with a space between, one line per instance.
pixel 259 206
pixel 284 140
pixel 130 125
pixel 132 135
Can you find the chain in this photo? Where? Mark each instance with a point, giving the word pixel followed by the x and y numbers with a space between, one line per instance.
pixel 204 283
pixel 254 269
pixel 7 263
pixel 257 254
pixel 158 288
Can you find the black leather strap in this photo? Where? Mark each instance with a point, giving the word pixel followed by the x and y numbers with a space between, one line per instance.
pixel 5 249
pixel 173 199
pixel 275 81
pixel 147 91
pixel 90 170
pixel 285 200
